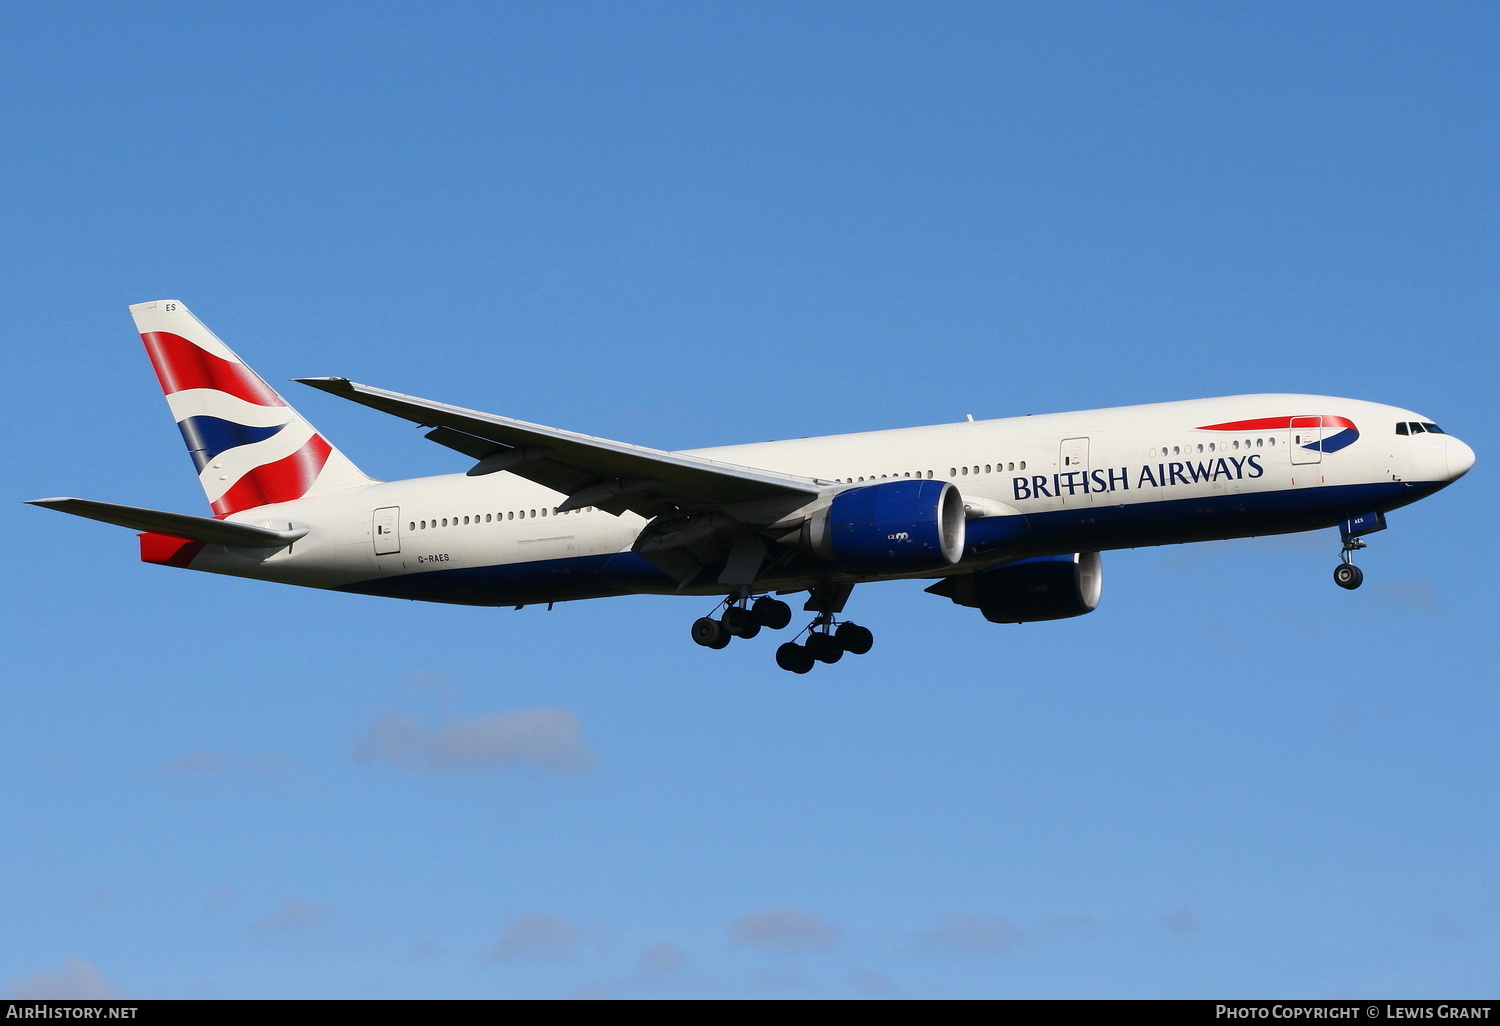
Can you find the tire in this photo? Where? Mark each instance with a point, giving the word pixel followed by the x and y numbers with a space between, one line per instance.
pixel 794 657
pixel 824 647
pixel 710 633
pixel 772 613
pixel 741 623
pixel 1348 576
pixel 854 639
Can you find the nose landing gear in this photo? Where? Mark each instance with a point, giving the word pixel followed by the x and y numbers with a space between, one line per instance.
pixel 1346 574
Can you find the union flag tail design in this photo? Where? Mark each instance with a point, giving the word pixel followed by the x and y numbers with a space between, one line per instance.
pixel 251 448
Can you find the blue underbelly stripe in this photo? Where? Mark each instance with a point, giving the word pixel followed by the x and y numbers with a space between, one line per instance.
pixel 996 539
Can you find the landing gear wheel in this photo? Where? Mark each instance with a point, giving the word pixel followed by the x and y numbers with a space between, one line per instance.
pixel 824 647
pixel 794 657
pixel 1347 575
pixel 740 622
pixel 854 639
pixel 710 633
pixel 772 613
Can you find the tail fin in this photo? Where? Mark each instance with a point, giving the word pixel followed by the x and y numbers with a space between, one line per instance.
pixel 249 446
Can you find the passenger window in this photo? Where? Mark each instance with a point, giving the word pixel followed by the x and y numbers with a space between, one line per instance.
pixel 1023 464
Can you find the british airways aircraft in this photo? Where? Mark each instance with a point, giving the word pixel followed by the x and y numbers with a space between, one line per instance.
pixel 1007 516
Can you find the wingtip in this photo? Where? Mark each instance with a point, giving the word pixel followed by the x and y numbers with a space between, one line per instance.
pixel 327 384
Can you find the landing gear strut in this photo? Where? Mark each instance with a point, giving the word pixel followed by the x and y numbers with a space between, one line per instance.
pixel 1346 574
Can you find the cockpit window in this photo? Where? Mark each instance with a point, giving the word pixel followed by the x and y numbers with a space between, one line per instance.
pixel 1433 429
pixel 1416 428
pixel 1403 429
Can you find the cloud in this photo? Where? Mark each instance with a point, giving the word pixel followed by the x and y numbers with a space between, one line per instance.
pixel 538 937
pixel 870 983
pixel 207 762
pixel 784 929
pixel 294 914
pixel 1408 594
pixel 428 682
pixel 548 738
pixel 781 981
pixel 1180 920
pixel 961 933
pixel 76 980
pixel 662 960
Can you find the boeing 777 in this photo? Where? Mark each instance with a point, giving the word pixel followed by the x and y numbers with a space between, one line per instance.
pixel 1006 516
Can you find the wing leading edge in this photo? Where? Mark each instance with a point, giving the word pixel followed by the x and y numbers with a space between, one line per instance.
pixel 613 476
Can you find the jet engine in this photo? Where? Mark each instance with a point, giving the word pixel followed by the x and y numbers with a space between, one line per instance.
pixel 893 527
pixel 1040 588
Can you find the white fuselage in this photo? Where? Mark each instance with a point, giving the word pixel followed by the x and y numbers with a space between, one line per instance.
pixel 1089 480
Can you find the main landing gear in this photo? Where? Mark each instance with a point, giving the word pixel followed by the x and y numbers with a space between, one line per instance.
pixel 741 619
pixel 827 637
pixel 826 643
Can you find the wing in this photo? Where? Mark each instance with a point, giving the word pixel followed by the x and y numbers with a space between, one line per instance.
pixel 613 476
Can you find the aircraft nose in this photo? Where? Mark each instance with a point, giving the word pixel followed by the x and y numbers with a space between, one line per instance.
pixel 1460 458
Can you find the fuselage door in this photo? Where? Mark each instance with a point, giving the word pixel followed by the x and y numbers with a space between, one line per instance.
pixel 1306 439
pixel 387 531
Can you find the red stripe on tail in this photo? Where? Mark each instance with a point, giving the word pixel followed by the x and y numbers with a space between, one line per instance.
pixel 180 364
pixel 288 478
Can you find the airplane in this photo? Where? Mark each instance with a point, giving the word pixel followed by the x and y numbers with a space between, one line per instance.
pixel 1006 516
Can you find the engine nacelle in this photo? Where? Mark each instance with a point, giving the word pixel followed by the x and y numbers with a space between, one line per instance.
pixel 901 526
pixel 1041 588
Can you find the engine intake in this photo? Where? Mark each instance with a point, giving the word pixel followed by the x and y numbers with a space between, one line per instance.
pixel 1040 588
pixel 892 527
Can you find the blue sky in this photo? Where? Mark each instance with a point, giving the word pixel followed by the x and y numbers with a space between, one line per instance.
pixel 696 224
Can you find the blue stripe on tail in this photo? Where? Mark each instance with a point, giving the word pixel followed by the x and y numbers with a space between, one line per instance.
pixel 206 437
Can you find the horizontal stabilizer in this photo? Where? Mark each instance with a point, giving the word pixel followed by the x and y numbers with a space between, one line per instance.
pixel 178 525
